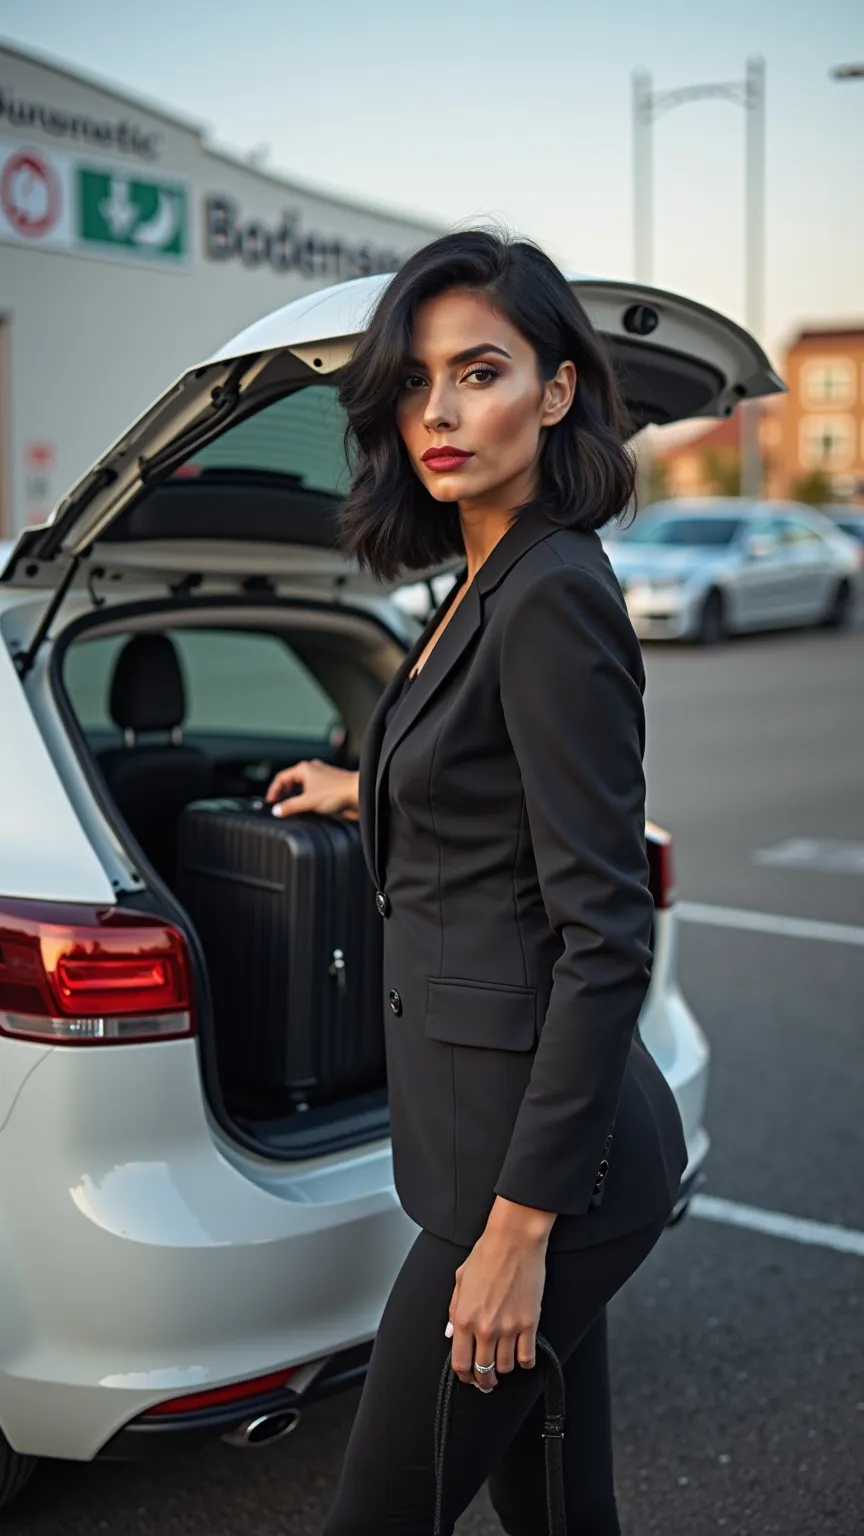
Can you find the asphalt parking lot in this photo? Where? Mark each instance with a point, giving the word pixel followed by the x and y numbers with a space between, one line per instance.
pixel 737 1349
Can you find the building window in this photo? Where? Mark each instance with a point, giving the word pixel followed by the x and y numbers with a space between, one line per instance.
pixel 827 442
pixel 828 381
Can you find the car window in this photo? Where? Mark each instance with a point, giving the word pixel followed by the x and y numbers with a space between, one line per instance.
pixel 763 528
pixel 853 526
pixel 301 435
pixel 794 530
pixel 237 683
pixel 686 532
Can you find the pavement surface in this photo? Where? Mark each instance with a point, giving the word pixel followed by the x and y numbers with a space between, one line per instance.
pixel 738 1356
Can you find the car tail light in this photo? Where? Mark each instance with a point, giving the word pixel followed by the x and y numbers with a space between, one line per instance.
pixel 216 1397
pixel 76 975
pixel 661 877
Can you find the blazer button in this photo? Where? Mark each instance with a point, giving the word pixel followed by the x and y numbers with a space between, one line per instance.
pixel 382 902
pixel 395 1001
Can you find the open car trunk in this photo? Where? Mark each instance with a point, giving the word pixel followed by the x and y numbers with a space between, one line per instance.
pixel 210 526
pixel 266 683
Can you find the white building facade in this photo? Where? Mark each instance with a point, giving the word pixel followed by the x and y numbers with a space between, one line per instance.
pixel 130 249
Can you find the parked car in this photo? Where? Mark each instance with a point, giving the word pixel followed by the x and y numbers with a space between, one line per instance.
pixel 704 568
pixel 849 520
pixel 181 1258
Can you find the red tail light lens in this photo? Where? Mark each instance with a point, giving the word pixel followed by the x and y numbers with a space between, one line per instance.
pixel 661 866
pixel 74 975
pixel 217 1396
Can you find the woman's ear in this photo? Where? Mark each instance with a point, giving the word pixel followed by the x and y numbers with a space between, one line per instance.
pixel 558 395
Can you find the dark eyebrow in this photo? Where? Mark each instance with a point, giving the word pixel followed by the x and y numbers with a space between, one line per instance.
pixel 467 356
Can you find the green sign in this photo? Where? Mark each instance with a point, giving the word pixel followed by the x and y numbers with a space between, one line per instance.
pixel 143 218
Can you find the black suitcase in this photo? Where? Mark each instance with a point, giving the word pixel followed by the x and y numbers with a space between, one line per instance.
pixel 286 915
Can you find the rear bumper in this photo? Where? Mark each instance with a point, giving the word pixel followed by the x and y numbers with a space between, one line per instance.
pixel 147 1438
pixel 143 1259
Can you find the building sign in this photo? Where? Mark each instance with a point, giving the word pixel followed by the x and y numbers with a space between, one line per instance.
pixel 35 200
pixel 79 127
pixel 51 200
pixel 285 247
pixel 147 217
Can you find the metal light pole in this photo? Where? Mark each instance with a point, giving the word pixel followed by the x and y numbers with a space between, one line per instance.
pixel 648 104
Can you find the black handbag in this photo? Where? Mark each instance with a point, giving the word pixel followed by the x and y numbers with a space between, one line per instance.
pixel 553 1435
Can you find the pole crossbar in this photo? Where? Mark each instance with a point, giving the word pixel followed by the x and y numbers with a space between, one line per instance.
pixel 735 91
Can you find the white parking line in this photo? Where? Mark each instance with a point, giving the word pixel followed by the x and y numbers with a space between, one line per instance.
pixel 828 855
pixel 818 1234
pixel 769 922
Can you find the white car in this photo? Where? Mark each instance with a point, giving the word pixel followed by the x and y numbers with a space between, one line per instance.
pixel 703 568
pixel 180 1258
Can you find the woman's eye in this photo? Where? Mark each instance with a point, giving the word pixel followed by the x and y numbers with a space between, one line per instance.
pixel 482 373
pixel 414 381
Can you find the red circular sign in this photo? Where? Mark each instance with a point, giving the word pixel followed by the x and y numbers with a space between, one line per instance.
pixel 30 194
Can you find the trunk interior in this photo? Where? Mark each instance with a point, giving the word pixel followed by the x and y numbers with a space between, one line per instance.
pixel 175 706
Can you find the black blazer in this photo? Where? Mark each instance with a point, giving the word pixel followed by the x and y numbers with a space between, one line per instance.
pixel 503 820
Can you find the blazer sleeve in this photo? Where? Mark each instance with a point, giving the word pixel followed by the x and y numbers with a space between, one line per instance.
pixel 572 683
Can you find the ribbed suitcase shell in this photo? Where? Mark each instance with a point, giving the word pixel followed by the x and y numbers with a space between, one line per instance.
pixel 286 915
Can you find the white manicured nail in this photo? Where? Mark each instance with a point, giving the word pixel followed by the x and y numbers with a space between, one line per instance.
pixel 448 1331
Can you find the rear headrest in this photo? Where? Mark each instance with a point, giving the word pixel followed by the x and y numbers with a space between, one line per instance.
pixel 147 692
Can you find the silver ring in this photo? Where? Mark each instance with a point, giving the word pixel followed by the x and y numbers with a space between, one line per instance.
pixel 483 1370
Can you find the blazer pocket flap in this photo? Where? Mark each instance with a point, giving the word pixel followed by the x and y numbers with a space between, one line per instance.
pixel 478 1013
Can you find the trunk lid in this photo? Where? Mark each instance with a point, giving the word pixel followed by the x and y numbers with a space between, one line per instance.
pixel 237 470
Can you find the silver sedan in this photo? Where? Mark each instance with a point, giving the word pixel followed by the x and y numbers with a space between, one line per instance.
pixel 702 569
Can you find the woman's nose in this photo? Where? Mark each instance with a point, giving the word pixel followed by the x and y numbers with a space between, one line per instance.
pixel 440 414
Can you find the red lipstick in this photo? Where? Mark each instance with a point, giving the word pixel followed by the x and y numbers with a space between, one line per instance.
pixel 445 459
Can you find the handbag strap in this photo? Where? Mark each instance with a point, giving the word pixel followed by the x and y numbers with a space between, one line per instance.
pixel 553 1436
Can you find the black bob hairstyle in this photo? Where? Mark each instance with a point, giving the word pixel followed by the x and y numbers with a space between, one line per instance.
pixel 389 521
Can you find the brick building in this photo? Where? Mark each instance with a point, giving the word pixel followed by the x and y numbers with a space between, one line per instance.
pixel 823 416
pixel 812 438
pixel 708 464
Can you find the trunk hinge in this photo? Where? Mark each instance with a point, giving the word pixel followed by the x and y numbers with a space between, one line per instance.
pixel 25 659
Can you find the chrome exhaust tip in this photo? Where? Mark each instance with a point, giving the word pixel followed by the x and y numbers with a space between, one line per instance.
pixel 264 1429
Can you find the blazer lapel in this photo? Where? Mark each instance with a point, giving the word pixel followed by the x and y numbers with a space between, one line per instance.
pixel 373 736
pixel 446 652
pixel 379 743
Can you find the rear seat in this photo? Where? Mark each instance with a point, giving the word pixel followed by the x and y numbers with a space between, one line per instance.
pixel 152 781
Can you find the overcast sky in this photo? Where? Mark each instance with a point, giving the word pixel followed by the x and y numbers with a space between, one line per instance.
pixel 520 109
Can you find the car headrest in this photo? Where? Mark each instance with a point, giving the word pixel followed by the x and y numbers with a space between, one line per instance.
pixel 147 692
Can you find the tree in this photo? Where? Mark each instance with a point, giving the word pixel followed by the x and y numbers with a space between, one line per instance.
pixel 658 480
pixel 816 489
pixel 721 470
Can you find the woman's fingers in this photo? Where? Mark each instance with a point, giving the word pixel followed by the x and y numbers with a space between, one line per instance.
pixel 485 1354
pixel 285 781
pixel 505 1354
pixel 526 1348
pixel 471 1350
pixel 296 805
pixel 314 786
pixel 462 1355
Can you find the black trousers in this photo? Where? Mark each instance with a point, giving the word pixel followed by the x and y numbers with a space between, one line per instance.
pixel 388 1482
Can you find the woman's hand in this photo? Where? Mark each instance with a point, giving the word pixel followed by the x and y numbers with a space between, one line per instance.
pixel 320 787
pixel 495 1307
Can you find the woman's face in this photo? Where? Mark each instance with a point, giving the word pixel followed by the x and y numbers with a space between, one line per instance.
pixel 473 409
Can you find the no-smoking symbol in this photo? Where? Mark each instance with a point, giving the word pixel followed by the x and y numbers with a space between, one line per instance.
pixel 30 194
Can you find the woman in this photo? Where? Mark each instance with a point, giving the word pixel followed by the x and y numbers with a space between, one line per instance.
pixel 501 800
